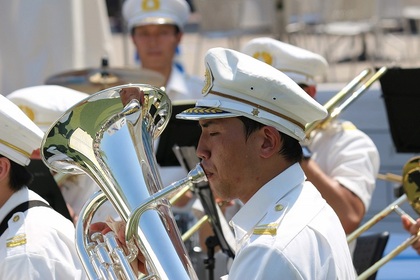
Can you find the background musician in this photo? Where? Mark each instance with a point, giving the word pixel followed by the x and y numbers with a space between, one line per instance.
pixel 156 29
pixel 44 105
pixel 36 241
pixel 343 162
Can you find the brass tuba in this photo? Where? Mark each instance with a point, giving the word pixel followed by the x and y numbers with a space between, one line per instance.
pixel 110 136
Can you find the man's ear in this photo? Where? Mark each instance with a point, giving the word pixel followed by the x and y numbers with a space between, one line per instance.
pixel 4 167
pixel 311 90
pixel 179 37
pixel 272 141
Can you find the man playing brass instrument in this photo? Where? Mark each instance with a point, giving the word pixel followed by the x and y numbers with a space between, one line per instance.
pixel 252 118
pixel 344 162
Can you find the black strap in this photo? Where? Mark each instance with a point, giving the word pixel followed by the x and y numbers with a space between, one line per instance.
pixel 20 208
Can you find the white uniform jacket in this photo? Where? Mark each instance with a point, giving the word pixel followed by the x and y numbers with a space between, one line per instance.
pixel 38 244
pixel 349 156
pixel 182 86
pixel 288 231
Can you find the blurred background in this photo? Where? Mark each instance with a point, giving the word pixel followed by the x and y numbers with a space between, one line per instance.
pixel 351 35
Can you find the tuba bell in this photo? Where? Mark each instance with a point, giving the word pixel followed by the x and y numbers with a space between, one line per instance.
pixel 109 136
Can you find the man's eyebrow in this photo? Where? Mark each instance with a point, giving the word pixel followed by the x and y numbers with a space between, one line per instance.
pixel 207 123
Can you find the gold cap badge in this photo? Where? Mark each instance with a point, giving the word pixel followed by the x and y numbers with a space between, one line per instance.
pixel 264 57
pixel 150 5
pixel 208 81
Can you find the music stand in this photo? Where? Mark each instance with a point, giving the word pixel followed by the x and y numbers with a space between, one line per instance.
pixel 401 93
pixel 177 133
pixel 188 159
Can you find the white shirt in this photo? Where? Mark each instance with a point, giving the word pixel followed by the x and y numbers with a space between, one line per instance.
pixel 288 231
pixel 38 244
pixel 349 156
pixel 181 86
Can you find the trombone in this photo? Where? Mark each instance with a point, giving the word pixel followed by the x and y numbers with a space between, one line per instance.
pixel 411 183
pixel 346 96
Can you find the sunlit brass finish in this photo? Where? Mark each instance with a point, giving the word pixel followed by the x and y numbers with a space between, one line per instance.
pixel 411 186
pixel 345 97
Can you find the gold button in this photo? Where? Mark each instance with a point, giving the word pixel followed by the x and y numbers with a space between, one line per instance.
pixel 16 218
pixel 278 207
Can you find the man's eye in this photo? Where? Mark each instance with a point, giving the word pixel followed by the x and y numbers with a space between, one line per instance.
pixel 213 133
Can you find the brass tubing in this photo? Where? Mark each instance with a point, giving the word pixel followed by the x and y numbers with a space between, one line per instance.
pixel 348 88
pixel 371 270
pixel 178 195
pixel 338 97
pixel 378 217
pixel 390 177
pixel 194 228
pixel 358 92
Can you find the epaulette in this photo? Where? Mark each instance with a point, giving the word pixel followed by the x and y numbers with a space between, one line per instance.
pixel 271 228
pixel 268 229
pixel 348 126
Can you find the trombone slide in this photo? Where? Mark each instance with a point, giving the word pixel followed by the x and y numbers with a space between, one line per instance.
pixel 345 97
pixel 394 206
pixel 371 270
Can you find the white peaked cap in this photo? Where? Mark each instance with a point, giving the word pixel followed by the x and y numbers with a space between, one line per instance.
pixel 19 136
pixel 46 103
pixel 299 64
pixel 239 85
pixel 145 12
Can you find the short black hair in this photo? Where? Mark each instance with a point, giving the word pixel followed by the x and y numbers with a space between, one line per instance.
pixel 177 29
pixel 291 149
pixel 19 175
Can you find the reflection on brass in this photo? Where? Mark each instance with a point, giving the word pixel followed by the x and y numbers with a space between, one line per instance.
pixel 131 93
pixel 110 136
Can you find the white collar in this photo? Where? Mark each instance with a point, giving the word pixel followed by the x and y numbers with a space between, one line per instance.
pixel 256 208
pixel 177 84
pixel 17 198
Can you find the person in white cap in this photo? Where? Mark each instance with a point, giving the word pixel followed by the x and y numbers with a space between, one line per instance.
pixel 344 161
pixel 36 242
pixel 156 31
pixel 44 104
pixel 252 118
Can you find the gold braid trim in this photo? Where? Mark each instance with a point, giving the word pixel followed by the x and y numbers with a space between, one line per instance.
pixel 7 144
